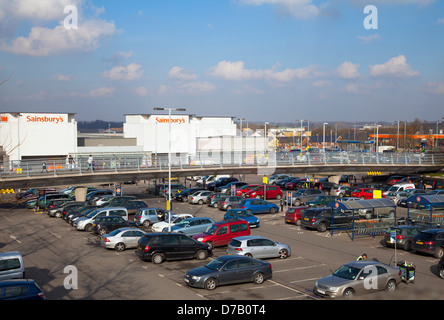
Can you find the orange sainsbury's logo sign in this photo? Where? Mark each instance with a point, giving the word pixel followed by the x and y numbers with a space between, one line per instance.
pixel 166 120
pixel 4 119
pixel 44 119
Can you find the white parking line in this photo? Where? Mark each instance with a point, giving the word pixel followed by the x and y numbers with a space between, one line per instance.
pixel 15 238
pixel 300 268
pixel 303 280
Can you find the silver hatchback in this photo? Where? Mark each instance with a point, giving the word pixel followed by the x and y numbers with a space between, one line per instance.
pixel 258 247
pixel 122 238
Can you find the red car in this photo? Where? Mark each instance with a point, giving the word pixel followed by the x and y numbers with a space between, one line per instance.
pixel 294 215
pixel 273 192
pixel 242 191
pixel 364 193
pixel 292 184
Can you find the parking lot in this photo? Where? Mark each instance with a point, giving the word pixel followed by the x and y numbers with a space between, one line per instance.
pixel 52 249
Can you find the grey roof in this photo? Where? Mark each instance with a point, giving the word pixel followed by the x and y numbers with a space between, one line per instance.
pixel 362 204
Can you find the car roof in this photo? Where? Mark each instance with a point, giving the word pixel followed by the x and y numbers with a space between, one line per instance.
pixel 5 283
pixel 363 263
pixel 250 237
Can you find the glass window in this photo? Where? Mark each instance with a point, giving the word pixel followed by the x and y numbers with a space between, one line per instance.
pixel 267 243
pixel 244 263
pixel 231 265
pixel 15 291
pixel 223 230
pixel 9 264
pixel 254 243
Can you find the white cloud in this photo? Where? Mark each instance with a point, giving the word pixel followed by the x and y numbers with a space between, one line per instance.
pixel 179 73
pixel 302 9
pixel 348 70
pixel 321 83
pixel 141 91
pixel 437 88
pixel 369 39
pixel 43 41
pixel 133 71
pixel 63 77
pixel 395 67
pixel 37 9
pixel 96 93
pixel 194 87
pixel 236 71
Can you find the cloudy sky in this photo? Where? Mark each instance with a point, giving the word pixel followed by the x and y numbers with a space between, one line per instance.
pixel 263 60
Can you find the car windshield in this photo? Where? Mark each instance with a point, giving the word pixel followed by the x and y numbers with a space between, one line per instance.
pixel 216 264
pixel 92 214
pixel 255 188
pixel 183 223
pixel 347 272
pixel 211 230
pixel 113 233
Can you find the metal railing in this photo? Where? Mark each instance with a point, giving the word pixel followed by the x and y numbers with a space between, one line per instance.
pixel 133 162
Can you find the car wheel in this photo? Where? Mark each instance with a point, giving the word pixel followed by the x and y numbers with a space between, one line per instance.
pixel 438 252
pixel 58 215
pixel 362 198
pixel 278 197
pixel 249 255
pixel 228 208
pixel 391 286
pixel 102 231
pixel 201 255
pixel 120 247
pixel 283 253
pixel 298 222
pixel 348 293
pixel 88 228
pixel 210 244
pixel 210 284
pixel 297 203
pixel 407 246
pixel 258 197
pixel 273 210
pixel 322 227
pixel 200 202
pixel 441 273
pixel 258 278
pixel 146 223
pixel 157 258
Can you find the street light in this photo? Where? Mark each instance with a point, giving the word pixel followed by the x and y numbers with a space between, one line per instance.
pixel 323 136
pixel 265 138
pixel 302 129
pixel 169 160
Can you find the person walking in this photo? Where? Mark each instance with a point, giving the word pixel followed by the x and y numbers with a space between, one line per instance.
pixel 44 167
pixel 71 162
pixel 90 162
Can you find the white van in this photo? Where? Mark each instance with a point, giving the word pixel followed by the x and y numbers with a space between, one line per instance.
pixel 86 222
pixel 399 187
pixel 11 266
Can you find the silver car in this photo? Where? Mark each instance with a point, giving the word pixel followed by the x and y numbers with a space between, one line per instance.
pixel 358 277
pixel 122 238
pixel 199 197
pixel 258 247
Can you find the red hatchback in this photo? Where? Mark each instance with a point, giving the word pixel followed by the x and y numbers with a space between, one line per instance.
pixel 242 191
pixel 364 193
pixel 294 215
pixel 272 192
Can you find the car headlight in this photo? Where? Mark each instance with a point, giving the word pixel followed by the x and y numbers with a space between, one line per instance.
pixel 200 239
pixel 195 278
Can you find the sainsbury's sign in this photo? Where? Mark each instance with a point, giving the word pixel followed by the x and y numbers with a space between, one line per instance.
pixel 173 120
pixel 44 119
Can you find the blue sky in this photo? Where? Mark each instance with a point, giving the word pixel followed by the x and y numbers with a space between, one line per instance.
pixel 263 60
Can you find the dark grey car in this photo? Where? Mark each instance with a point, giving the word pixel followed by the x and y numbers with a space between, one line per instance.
pixel 304 195
pixel 228 270
pixel 404 236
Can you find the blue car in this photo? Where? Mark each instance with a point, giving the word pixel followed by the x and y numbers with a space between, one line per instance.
pixel 234 214
pixel 192 226
pixel 258 206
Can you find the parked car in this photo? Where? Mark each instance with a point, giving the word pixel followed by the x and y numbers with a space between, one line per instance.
pixel 229 202
pixel 228 269
pixel 258 247
pixel 213 200
pixel 220 182
pixel 274 179
pixel 353 278
pixel 221 233
pixel 326 186
pixel 399 187
pixel 183 195
pixel 42 201
pixel 403 236
pixel 281 183
pixel 119 201
pixel 104 225
pixel 175 188
pixel 429 241
pixel 20 289
pixel 364 193
pixel 133 206
pixel 441 268
pixel 349 199
pixel 321 219
pixel 148 216
pixel 122 238
pixel 294 215
pixel 234 214
pixel 192 226
pixel 265 192
pixel 102 200
pixel 258 206
pixel 11 265
pixel 59 211
pixel 303 195
pixel 394 179
pixel 199 197
pixel 321 201
pixel 291 185
pixel 158 247
pixel 86 223
pixel 342 191
pixel 162 226
pixel 242 192
pixel 227 187
pixel 56 203
pixel 97 193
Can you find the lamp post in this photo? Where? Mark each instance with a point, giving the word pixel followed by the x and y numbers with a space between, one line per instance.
pixel 437 132
pixel 377 137
pixel 323 136
pixel 265 138
pixel 169 160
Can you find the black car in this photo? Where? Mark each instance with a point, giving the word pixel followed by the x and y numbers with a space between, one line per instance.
pixel 220 182
pixel 326 186
pixel 157 247
pixel 321 219
pixel 104 225
pixel 430 241
pixel 183 195
pixel 404 236
pixel 441 268
pixel 20 289
pixel 61 210
pixel 119 201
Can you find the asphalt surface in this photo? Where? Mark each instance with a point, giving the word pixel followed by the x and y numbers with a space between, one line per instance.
pixel 52 249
